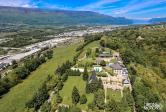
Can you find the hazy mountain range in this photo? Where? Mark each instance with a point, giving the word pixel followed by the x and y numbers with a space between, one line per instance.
pixel 15 15
pixel 157 20
pixel 34 16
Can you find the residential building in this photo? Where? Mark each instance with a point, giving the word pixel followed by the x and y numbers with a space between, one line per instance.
pixel 97 68
pixel 117 68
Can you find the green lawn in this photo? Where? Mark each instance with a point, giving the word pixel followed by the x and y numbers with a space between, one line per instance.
pixel 68 87
pixel 93 44
pixel 113 94
pixel 15 99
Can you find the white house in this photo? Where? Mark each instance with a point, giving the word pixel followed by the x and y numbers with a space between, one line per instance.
pixel 98 68
pixel 80 69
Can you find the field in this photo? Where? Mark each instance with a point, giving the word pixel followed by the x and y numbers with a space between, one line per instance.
pixel 15 99
pixel 68 87
pixel 112 94
pixel 92 45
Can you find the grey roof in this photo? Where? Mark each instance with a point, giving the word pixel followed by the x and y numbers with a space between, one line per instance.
pixel 126 81
pixel 3 65
pixel 117 66
pixel 93 76
pixel 104 54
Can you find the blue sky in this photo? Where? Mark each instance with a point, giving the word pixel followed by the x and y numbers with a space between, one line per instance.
pixel 135 9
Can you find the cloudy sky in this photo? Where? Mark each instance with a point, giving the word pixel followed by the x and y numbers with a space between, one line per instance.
pixel 136 9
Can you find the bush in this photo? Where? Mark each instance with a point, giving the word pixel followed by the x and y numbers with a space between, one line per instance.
pixel 83 99
pixel 70 72
pixel 102 74
pixel 103 63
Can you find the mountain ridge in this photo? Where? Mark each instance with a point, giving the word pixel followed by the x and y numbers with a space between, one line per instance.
pixel 35 16
pixel 158 20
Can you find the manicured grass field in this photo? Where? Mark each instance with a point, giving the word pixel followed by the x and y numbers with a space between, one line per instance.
pixel 113 94
pixel 15 99
pixel 68 87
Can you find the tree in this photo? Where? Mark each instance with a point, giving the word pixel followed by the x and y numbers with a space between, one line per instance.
pixel 99 99
pixel 102 43
pixel 83 99
pixel 88 52
pixel 39 98
pixel 22 72
pixel 63 109
pixel 14 64
pixel 68 109
pixel 100 84
pixel 49 54
pixel 75 95
pixel 93 86
pixel 97 50
pixel 58 98
pixel 87 89
pixel 112 106
pixel 60 85
pixel 91 106
pixel 110 52
pixel 64 77
pixel 85 74
pixel 103 63
pixel 46 107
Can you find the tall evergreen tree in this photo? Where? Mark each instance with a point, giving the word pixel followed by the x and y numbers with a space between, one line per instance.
pixel 75 95
pixel 85 74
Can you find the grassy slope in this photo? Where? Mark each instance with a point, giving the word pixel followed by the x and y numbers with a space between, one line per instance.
pixel 15 100
pixel 68 87
pixel 92 45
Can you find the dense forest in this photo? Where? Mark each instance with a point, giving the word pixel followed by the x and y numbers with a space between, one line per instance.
pixel 143 50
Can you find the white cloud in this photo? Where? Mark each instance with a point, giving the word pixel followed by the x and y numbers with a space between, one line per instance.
pixel 13 2
pixel 149 10
pixel 137 6
pixel 96 5
pixel 17 3
pixel 26 5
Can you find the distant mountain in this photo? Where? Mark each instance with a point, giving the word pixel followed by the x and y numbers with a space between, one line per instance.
pixel 15 15
pixel 157 20
pixel 140 21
